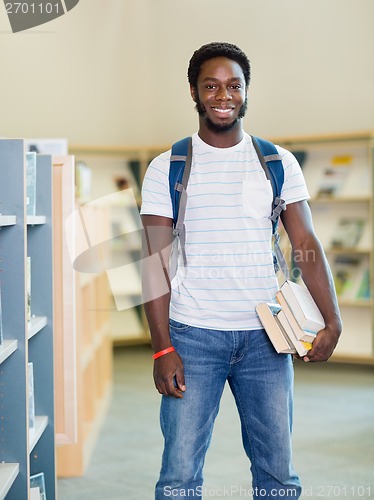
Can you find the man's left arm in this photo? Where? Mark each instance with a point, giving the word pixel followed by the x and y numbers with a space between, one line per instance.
pixel 310 258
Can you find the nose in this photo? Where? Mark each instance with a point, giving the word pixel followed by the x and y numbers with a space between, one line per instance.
pixel 223 94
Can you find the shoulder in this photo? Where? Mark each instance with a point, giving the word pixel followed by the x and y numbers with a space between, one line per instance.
pixel 287 156
pixel 159 166
pixel 290 163
pixel 162 158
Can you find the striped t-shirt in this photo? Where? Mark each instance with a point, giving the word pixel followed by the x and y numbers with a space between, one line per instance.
pixel 228 234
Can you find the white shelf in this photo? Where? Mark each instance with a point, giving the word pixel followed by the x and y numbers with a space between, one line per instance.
pixel 124 281
pixel 21 239
pixel 355 302
pixel 340 199
pixel 90 351
pixel 126 326
pixel 35 220
pixel 348 250
pixel 85 279
pixel 35 434
pixel 8 474
pixel 8 220
pixel 36 324
pixel 344 167
pixel 6 349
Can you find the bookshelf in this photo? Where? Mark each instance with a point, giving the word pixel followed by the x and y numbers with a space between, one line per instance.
pixel 24 453
pixel 107 165
pixel 338 172
pixel 86 399
pixel 93 374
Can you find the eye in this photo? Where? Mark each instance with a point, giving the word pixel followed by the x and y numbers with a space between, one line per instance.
pixel 210 87
pixel 237 86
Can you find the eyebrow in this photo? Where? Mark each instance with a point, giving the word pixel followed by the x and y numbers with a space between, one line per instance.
pixel 212 79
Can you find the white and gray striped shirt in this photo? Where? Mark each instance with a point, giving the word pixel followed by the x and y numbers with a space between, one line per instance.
pixel 228 234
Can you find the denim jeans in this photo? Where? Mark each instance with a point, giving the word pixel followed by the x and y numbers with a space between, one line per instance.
pixel 262 384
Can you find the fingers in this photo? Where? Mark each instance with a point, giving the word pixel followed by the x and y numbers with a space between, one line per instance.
pixel 168 375
pixel 315 355
pixel 322 347
pixel 166 387
pixel 179 379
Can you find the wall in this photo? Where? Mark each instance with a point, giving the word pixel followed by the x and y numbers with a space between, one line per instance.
pixel 311 62
pixel 114 71
pixel 81 76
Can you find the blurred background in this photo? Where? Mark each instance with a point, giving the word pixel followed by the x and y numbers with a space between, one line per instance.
pixel 114 72
pixel 107 83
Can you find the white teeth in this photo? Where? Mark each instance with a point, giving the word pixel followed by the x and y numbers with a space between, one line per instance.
pixel 223 111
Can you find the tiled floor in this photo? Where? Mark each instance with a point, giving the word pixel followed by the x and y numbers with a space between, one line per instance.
pixel 333 437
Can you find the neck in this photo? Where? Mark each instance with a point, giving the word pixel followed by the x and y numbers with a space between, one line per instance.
pixel 220 139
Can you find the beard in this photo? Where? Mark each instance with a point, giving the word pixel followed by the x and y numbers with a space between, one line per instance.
pixel 220 128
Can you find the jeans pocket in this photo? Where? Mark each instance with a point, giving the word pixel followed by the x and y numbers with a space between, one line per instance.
pixel 178 327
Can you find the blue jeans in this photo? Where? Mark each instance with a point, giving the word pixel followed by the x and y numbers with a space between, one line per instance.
pixel 262 384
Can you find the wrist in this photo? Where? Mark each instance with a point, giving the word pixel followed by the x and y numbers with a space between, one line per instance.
pixel 163 352
pixel 334 324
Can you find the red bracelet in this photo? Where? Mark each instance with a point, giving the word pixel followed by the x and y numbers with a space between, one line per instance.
pixel 163 352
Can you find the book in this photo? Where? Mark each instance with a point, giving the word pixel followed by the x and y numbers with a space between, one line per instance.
pixel 303 306
pixel 279 330
pixel 300 346
pixel 37 487
pixel 31 183
pixel 348 232
pixel 332 180
pixel 300 334
pixel 364 288
pixel 1 321
pixel 345 270
pixel 300 156
pixel 28 287
pixel 83 181
pixel 31 399
pixel 135 169
pixel 268 317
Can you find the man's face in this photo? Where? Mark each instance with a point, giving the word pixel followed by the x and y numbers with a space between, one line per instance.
pixel 221 94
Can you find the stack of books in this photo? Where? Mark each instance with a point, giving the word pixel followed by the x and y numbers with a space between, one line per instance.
pixel 294 321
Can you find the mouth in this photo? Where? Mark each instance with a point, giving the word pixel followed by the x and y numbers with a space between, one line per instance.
pixel 222 111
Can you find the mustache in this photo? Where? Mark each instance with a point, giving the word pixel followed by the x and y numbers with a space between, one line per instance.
pixel 223 128
pixel 202 111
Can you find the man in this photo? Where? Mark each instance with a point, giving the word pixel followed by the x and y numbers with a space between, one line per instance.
pixel 206 331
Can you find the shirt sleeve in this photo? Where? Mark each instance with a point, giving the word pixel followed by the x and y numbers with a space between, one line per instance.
pixel 294 187
pixel 155 189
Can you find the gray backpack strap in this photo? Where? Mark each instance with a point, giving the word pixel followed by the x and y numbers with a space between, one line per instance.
pixel 279 205
pixel 272 158
pixel 261 159
pixel 179 231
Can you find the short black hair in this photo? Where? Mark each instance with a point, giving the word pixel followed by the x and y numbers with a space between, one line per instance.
pixel 217 49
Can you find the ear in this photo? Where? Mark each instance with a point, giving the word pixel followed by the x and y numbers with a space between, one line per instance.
pixel 193 92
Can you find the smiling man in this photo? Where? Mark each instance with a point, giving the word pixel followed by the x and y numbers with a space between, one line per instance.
pixel 220 106
pixel 205 330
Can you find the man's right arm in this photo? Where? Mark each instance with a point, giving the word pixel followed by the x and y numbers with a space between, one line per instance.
pixel 168 370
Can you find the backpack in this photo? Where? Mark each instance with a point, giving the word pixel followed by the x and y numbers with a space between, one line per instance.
pixel 179 173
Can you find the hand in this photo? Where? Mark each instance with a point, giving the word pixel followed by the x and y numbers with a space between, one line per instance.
pixel 323 345
pixel 168 374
